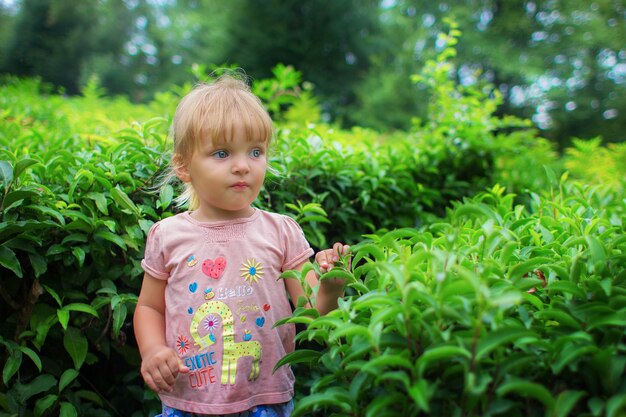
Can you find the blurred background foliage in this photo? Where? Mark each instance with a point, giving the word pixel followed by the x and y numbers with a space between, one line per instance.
pixel 560 64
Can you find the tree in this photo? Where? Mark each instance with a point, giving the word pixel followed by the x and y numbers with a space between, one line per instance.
pixel 52 39
pixel 563 64
pixel 328 41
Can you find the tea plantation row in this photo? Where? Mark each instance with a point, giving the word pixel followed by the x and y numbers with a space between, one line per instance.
pixel 438 318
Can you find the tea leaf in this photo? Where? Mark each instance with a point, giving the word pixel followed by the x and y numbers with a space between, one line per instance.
pixel 6 173
pixel 32 355
pixel 66 378
pixel 76 345
pixel 298 356
pixel 44 404
pixel 10 261
pixel 497 338
pixel 527 389
pixel 439 353
pixel 68 410
pixel 11 366
pixel 22 164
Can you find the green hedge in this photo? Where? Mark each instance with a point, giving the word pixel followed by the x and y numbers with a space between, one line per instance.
pixel 496 310
pixel 75 175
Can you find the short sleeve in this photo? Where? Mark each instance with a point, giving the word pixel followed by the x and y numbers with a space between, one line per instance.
pixel 153 262
pixel 297 249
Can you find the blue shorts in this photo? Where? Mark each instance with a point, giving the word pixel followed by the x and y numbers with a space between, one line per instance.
pixel 272 410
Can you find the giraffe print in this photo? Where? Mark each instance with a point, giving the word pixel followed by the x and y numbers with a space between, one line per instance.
pixel 232 350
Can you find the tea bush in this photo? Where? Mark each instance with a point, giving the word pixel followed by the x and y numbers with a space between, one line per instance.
pixel 76 205
pixel 496 310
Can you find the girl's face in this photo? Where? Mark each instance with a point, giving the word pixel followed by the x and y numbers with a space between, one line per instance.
pixel 226 176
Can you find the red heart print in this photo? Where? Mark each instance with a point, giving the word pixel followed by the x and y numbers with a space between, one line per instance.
pixel 266 307
pixel 214 269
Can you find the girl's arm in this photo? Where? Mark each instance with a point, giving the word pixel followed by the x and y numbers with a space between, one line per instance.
pixel 159 364
pixel 330 290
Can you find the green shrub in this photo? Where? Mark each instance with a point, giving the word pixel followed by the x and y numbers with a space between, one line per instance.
pixel 75 207
pixel 495 310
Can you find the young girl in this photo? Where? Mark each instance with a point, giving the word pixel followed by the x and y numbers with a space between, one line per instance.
pixel 211 292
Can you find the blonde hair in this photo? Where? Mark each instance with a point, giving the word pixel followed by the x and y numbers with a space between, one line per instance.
pixel 210 112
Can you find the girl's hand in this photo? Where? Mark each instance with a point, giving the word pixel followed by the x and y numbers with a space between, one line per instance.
pixel 329 257
pixel 160 368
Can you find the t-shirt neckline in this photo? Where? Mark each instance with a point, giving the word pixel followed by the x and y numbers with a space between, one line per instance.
pixel 219 223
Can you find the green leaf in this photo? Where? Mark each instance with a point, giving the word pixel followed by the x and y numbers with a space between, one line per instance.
pixel 104 234
pixel 616 406
pixel 68 410
pixel 525 267
pixel 551 176
pixel 559 316
pixel 64 317
pixel 90 396
pixel 298 356
pixel 382 404
pixel 101 202
pixel 66 378
pixel 376 365
pixel 123 201
pixel 567 287
pixel 6 173
pixel 54 294
pixel 419 392
pixel 596 248
pixel 527 389
pixel 313 218
pixel 565 402
pixel 43 404
pixel 440 353
pixel 76 345
pixel 569 356
pixel 119 315
pixel 79 254
pixel 84 308
pixel 14 196
pixel 22 164
pixel 10 261
pixel 337 273
pixel 371 250
pixel 41 383
pixel 497 338
pixel 330 398
pixel 39 264
pixel 166 196
pixel 615 319
pixel 596 405
pixel 12 365
pixel 32 355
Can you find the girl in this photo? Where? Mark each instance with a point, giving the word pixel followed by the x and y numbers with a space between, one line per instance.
pixel 210 296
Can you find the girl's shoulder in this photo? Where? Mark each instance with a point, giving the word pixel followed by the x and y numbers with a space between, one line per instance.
pixel 280 219
pixel 286 226
pixel 170 223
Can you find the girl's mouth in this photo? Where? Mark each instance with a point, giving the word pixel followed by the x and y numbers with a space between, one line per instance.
pixel 240 185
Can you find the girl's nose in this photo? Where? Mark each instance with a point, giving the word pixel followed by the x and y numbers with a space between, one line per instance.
pixel 240 165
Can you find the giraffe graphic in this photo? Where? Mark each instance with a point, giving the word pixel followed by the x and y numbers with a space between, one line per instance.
pixel 232 350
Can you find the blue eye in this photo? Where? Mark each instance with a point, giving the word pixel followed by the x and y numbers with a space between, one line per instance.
pixel 220 154
pixel 256 153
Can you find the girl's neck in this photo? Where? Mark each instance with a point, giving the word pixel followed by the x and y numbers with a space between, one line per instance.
pixel 212 215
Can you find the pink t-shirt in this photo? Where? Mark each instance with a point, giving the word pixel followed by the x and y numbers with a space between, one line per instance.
pixel 222 298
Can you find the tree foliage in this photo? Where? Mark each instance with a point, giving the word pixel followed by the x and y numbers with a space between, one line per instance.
pixel 561 64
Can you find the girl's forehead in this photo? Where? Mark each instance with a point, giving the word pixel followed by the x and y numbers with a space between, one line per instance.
pixel 235 132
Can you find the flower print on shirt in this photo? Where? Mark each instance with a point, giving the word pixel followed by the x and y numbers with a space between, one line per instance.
pixel 211 322
pixel 182 344
pixel 252 271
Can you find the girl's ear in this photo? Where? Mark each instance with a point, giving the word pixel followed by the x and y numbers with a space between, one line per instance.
pixel 180 168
